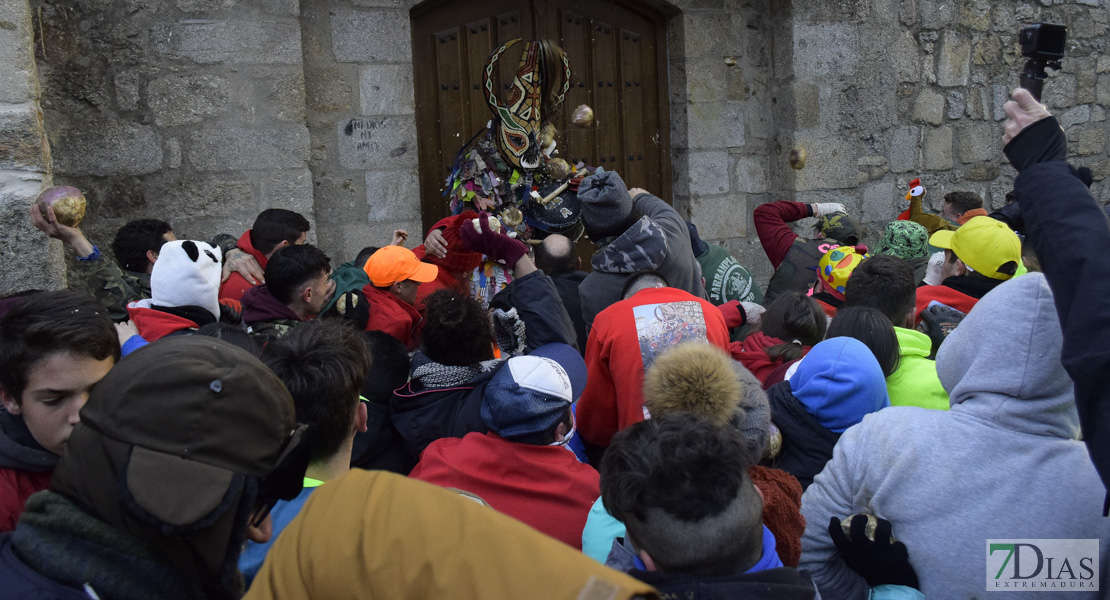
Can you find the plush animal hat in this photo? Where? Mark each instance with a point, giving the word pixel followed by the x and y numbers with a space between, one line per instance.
pixel 187 273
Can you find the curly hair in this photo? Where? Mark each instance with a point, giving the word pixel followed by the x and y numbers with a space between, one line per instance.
pixel 457 329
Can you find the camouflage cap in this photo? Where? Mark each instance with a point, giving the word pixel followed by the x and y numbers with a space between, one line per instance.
pixel 840 227
pixel 905 239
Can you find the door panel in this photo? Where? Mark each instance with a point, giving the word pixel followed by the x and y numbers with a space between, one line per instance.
pixel 616 55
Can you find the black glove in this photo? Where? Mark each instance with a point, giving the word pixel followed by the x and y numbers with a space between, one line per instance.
pixel 937 322
pixel 879 562
pixel 352 306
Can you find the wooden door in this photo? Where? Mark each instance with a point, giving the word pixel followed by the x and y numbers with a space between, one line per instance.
pixel 618 63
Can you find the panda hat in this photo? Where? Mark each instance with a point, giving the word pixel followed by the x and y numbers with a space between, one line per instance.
pixel 187 273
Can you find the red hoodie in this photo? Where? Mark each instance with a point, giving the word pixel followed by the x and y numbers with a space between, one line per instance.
pixel 752 353
pixel 154 325
pixel 393 316
pixel 237 285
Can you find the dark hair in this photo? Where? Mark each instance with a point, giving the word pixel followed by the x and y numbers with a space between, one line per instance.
pixel 389 366
pixel 670 479
pixel 793 316
pixel 232 334
pixel 871 327
pixel 963 201
pixel 45 323
pixel 292 267
pixel 560 261
pixel 641 280
pixel 274 226
pixel 457 329
pixel 135 239
pixel 323 364
pixel 364 255
pixel 886 283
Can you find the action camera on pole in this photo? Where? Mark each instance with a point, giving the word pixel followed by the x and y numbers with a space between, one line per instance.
pixel 1043 44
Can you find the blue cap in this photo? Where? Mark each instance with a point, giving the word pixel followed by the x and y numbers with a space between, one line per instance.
pixel 530 394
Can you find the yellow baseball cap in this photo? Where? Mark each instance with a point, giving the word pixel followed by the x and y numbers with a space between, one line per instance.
pixel 391 264
pixel 984 244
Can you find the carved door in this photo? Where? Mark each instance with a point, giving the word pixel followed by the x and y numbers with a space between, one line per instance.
pixel 618 62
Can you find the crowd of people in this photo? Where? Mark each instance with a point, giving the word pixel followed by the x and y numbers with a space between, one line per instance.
pixel 479 417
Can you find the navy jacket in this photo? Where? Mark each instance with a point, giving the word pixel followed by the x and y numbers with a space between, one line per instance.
pixel 806 444
pixel 1071 236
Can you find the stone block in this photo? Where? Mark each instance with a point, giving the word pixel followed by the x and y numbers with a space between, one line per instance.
pixel 903 149
pixel 954 61
pixel 107 148
pixel 703 80
pixel 879 202
pixel 386 90
pixel 975 14
pixel 273 93
pixel 928 107
pixel 720 217
pixel 210 41
pixel 290 189
pixel 1102 91
pixel 371 36
pixel 192 98
pixel 21 138
pixel 219 197
pixel 1087 142
pixel 392 195
pixel 1103 64
pixel 988 51
pixel 807 105
pixel 173 154
pixel 831 164
pixel 242 148
pixel 907 58
pixel 979 142
pixel 751 175
pixel 203 6
pixel 936 14
pixel 713 34
pixel 715 125
pixel 956 105
pixel 1059 91
pixel 380 143
pixel 31 260
pixel 127 90
pixel 1000 95
pixel 1075 116
pixel 938 149
pixel 821 51
pixel 328 90
pixel 708 173
pixel 289 8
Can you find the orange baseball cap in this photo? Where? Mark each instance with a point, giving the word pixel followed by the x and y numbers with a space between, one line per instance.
pixel 391 264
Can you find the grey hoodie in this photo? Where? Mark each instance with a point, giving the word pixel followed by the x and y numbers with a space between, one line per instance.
pixel 659 241
pixel 1004 463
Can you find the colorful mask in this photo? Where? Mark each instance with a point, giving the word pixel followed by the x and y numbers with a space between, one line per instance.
pixel 519 123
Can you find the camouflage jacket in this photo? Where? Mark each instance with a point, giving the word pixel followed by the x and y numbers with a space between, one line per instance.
pixel 265 332
pixel 114 287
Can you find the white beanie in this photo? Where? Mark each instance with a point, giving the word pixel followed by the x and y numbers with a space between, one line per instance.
pixel 187 273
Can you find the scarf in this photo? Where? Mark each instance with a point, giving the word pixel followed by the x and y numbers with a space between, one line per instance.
pixel 433 375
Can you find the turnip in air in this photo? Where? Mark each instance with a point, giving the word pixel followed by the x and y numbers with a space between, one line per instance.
pixel 68 203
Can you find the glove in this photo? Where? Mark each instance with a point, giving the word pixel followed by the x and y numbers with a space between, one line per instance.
pixel 937 322
pixel 753 312
pixel 879 562
pixel 821 209
pixel 352 306
pixel 494 245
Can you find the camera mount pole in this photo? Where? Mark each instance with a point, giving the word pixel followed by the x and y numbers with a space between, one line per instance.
pixel 1033 75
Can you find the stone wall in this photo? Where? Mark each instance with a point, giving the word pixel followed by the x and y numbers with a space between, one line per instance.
pixel 30 260
pixel 192 111
pixel 206 111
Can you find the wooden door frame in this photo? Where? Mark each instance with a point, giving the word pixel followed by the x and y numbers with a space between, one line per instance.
pixel 657 11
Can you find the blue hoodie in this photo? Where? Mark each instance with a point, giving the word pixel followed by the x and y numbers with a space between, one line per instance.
pixel 839 382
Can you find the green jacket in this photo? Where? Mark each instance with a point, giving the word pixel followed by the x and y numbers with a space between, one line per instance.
pixel 915 383
pixel 725 279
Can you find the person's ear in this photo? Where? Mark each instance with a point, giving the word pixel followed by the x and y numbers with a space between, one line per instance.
pixel 361 417
pixel 961 268
pixel 261 533
pixel 577 263
pixel 395 289
pixel 152 256
pixel 561 432
pixel 9 403
pixel 649 562
pixel 306 295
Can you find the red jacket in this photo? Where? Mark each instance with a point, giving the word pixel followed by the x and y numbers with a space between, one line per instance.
pixel 392 315
pixel 236 284
pixel 771 226
pixel 153 324
pixel 16 485
pixel 624 340
pixel 945 295
pixel 543 486
pixel 752 353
